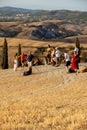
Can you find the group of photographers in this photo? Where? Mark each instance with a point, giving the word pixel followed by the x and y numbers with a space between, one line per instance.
pixel 53 57
pixel 25 60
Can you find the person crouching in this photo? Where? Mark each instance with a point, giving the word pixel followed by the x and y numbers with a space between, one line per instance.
pixel 28 71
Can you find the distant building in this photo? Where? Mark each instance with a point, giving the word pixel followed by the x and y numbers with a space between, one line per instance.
pixel 22 15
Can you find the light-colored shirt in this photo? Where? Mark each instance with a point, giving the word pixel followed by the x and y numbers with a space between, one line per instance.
pixel 77 50
pixel 67 57
pixel 57 53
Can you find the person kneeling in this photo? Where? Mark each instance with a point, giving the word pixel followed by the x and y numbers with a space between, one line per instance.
pixel 28 72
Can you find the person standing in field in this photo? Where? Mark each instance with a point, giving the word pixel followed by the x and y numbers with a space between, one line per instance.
pixel 29 59
pixel 15 62
pixel 53 56
pixel 22 57
pixel 74 62
pixel 67 61
pixel 48 54
pixel 77 50
pixel 57 55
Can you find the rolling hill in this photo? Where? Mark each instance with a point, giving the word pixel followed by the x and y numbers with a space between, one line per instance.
pixel 41 24
pixel 12 13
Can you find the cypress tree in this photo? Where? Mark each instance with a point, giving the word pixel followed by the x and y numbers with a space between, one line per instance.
pixel 77 43
pixel 19 53
pixel 5 55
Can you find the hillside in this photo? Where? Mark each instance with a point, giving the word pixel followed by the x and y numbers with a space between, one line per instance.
pixel 48 99
pixel 42 24
pixel 19 14
pixel 46 30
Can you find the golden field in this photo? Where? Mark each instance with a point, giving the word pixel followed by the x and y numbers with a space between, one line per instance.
pixel 49 99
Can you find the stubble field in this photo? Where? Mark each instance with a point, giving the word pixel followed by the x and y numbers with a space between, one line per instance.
pixel 49 99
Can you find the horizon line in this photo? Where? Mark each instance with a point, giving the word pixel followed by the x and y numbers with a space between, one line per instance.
pixel 43 9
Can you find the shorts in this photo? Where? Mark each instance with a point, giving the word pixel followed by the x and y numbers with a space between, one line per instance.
pixel 58 58
pixel 30 64
pixel 67 63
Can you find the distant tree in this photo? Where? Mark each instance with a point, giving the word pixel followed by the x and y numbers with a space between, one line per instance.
pixel 19 53
pixel 5 55
pixel 77 43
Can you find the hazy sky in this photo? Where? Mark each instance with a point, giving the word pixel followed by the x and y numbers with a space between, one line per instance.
pixel 47 4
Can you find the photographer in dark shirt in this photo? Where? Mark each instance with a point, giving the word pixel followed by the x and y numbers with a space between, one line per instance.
pixel 29 59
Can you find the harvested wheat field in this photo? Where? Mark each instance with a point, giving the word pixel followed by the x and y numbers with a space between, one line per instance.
pixel 49 99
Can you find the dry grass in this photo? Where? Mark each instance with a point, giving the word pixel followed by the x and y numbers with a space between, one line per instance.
pixel 49 99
